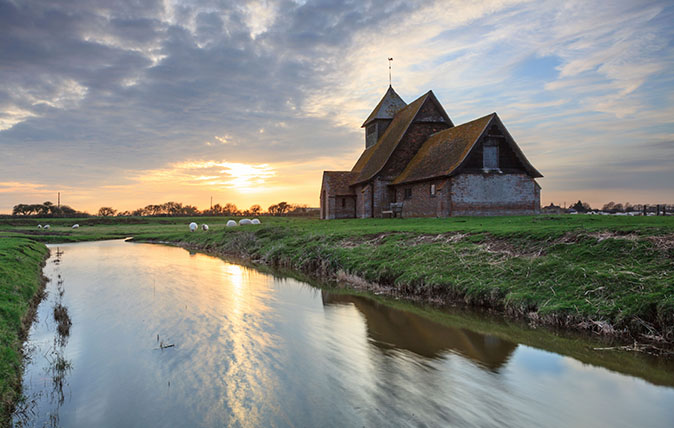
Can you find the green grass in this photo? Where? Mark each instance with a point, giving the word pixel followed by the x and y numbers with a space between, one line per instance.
pixel 20 281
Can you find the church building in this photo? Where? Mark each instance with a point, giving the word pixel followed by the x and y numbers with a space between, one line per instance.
pixel 416 163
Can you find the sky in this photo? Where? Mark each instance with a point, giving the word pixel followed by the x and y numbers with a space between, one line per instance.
pixel 134 102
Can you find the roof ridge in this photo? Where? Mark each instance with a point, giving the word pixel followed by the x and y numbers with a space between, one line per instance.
pixel 394 101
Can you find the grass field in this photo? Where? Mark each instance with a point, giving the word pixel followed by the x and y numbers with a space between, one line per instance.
pixel 612 275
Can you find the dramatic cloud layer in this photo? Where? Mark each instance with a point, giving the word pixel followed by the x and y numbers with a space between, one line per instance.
pixel 128 103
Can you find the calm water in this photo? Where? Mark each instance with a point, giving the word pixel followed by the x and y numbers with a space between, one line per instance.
pixel 251 349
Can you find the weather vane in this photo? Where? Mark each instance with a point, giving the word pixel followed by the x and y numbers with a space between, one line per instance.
pixel 389 71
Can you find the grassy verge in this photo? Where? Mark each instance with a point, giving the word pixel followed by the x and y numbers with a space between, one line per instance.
pixel 21 286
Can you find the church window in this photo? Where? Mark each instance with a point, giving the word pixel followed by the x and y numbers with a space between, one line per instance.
pixel 433 190
pixel 408 193
pixel 343 202
pixel 490 157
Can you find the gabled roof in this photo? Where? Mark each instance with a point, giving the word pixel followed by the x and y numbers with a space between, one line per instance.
pixel 388 106
pixel 338 182
pixel 444 152
pixel 374 158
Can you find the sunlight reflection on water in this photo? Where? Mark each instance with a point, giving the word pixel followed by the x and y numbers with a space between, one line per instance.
pixel 251 349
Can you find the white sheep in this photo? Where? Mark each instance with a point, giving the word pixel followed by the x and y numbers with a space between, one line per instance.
pixel 46 226
pixel 255 221
pixel 231 223
pixel 39 226
pixel 76 226
pixel 244 221
pixel 204 227
pixel 193 227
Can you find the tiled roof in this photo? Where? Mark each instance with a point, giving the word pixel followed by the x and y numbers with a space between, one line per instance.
pixel 388 106
pixel 338 182
pixel 373 159
pixel 446 150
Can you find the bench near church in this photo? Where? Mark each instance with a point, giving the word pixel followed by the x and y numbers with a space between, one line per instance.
pixel 416 163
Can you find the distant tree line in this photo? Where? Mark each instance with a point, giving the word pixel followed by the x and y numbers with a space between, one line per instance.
pixel 46 209
pixel 613 207
pixel 167 209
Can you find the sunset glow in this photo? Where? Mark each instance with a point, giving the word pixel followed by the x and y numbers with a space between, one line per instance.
pixel 249 103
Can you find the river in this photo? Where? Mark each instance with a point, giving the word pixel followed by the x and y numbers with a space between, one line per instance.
pixel 162 337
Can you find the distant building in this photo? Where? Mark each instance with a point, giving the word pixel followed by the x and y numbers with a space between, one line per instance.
pixel 415 157
pixel 553 209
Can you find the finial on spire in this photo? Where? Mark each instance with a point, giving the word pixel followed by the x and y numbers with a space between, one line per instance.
pixel 389 71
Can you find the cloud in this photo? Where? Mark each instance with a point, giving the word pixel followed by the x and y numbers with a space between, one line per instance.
pixel 96 93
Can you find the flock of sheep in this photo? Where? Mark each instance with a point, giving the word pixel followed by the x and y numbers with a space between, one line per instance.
pixel 230 223
pixel 46 226
pixel 193 226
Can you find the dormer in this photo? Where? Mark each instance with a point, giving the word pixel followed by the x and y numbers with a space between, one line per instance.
pixel 380 118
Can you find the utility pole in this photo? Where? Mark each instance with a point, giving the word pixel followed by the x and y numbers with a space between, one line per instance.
pixel 211 203
pixel 58 203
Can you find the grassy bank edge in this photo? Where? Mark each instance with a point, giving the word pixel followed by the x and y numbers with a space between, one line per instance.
pixel 317 255
pixel 22 287
pixel 581 345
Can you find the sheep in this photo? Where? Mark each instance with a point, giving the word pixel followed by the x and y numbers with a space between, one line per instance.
pixel 46 226
pixel 193 227
pixel 204 227
pixel 76 226
pixel 255 221
pixel 39 226
pixel 231 223
pixel 244 221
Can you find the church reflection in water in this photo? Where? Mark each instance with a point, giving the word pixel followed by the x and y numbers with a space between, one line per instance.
pixel 390 328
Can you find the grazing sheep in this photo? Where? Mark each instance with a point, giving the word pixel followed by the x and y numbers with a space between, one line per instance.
pixel 204 227
pixel 76 226
pixel 193 227
pixel 46 226
pixel 39 226
pixel 255 221
pixel 231 223
pixel 244 221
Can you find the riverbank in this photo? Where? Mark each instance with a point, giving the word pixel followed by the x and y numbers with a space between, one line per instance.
pixel 21 289
pixel 611 278
pixel 606 274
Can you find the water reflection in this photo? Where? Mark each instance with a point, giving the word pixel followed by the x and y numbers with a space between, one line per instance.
pixel 391 328
pixel 251 349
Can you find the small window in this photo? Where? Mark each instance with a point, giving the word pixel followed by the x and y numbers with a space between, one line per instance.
pixel 490 157
pixel 433 190
pixel 408 193
pixel 343 202
pixel 372 129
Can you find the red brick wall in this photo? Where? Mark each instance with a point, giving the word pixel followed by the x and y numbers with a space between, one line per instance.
pixel 422 204
pixel 336 210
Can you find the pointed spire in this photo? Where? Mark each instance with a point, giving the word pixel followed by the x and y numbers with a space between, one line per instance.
pixel 390 104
